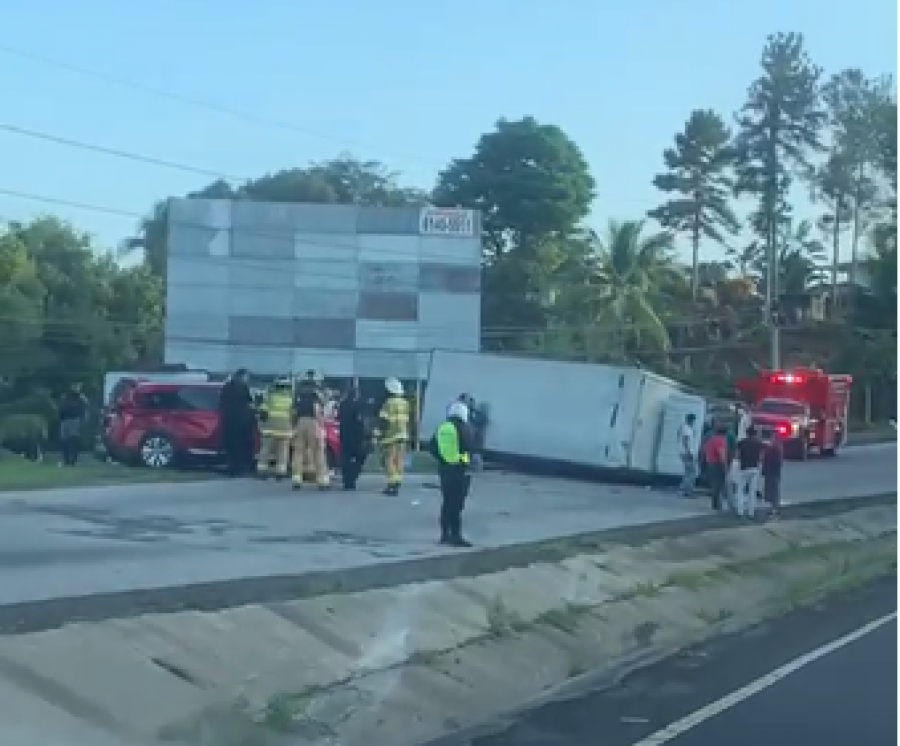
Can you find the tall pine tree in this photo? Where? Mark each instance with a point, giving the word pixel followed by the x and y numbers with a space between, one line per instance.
pixel 699 179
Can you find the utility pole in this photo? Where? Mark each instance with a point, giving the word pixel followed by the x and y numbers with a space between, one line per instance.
pixel 772 306
pixel 774 345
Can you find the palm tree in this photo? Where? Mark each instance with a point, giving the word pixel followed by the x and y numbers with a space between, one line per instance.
pixel 629 273
pixel 801 260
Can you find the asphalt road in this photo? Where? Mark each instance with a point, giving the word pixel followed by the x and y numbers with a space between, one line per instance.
pixel 725 692
pixel 83 542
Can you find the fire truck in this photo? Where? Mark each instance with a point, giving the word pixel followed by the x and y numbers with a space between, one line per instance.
pixel 806 407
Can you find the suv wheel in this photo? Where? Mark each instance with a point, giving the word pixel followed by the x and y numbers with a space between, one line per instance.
pixel 157 451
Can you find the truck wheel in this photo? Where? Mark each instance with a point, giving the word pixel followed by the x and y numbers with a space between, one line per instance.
pixel 830 452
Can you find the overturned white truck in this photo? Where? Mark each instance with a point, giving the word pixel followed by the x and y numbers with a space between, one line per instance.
pixel 602 418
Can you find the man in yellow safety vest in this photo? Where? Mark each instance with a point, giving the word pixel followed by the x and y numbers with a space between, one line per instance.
pixel 276 418
pixel 452 448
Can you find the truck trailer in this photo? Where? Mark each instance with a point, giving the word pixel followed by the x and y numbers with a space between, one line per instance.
pixel 599 417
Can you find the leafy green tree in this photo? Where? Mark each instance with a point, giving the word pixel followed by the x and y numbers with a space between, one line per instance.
pixel 699 176
pixel 833 184
pixel 533 187
pixel 885 234
pixel 21 305
pixel 529 180
pixel 780 127
pixel 853 103
pixel 713 273
pixel 77 313
pixel 136 314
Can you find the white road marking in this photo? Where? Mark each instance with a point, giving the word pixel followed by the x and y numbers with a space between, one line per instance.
pixel 680 727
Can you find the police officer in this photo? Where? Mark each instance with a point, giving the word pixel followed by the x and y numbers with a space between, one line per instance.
pixel 309 433
pixel 452 448
pixel 393 434
pixel 276 416
pixel 237 423
pixel 352 436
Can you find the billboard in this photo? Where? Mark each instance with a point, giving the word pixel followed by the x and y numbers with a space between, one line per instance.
pixel 349 290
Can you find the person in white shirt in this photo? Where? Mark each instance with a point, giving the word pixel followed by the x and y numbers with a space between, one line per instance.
pixel 745 421
pixel 688 459
pixel 750 451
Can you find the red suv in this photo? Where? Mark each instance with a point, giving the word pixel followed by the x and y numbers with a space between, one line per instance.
pixel 161 424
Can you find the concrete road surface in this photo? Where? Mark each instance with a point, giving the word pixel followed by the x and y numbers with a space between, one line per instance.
pixel 824 676
pixel 88 541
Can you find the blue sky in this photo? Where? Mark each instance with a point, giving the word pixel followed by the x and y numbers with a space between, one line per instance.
pixel 411 83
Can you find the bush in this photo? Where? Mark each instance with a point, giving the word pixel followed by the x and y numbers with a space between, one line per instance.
pixel 39 403
pixel 25 434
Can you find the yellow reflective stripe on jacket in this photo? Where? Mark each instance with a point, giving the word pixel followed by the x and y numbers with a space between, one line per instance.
pixel 278 408
pixel 394 416
pixel 447 439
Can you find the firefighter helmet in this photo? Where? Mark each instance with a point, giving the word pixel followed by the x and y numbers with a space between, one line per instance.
pixel 394 386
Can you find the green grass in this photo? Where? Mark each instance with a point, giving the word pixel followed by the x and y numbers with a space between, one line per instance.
pixel 18 474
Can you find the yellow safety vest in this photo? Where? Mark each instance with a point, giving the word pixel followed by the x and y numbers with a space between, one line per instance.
pixel 278 406
pixel 447 441
pixel 394 420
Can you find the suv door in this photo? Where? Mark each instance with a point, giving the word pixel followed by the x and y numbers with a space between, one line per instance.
pixel 197 416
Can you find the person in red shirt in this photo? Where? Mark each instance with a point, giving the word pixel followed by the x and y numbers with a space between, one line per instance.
pixel 715 453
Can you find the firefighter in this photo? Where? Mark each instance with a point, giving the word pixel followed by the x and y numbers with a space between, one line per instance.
pixel 393 434
pixel 277 416
pixel 309 433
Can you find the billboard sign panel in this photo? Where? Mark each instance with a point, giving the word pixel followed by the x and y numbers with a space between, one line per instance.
pixel 438 221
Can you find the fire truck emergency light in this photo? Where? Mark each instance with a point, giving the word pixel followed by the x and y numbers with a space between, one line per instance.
pixel 787 378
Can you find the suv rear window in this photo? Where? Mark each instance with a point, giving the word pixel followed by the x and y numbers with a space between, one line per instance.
pixel 199 397
pixel 182 399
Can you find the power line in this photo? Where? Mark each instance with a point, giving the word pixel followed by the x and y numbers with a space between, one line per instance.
pixel 176 165
pixel 57 330
pixel 113 152
pixel 196 102
pixel 255 263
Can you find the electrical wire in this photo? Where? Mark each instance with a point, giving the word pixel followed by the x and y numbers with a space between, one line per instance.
pixel 150 160
pixel 116 153
pixel 198 103
pixel 490 332
pixel 304 265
